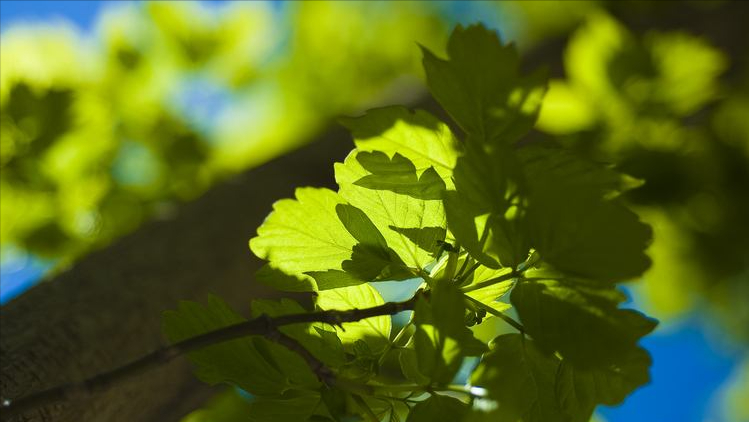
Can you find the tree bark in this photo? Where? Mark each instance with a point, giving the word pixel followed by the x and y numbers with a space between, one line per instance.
pixel 105 311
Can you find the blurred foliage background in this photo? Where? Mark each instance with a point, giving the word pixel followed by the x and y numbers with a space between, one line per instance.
pixel 108 125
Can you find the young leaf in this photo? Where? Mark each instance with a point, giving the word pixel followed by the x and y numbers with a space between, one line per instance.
pixel 390 210
pixel 438 408
pixel 583 325
pixel 481 88
pixel 417 135
pixel 240 362
pixel 375 331
pixel 442 340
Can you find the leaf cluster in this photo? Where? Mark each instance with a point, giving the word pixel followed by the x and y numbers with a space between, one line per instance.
pixel 476 217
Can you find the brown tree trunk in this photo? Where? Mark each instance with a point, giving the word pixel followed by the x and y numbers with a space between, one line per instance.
pixel 106 310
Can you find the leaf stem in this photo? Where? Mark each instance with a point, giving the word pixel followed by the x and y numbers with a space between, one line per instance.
pixel 497 314
pixel 487 283
pixel 463 267
pixel 395 341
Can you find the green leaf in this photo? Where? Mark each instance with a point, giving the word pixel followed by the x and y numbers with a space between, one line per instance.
pixel 399 175
pixel 579 391
pixel 409 363
pixel 293 406
pixel 480 86
pixel 305 235
pixel 243 362
pixel 489 295
pixel 546 165
pixel 388 209
pixel 321 342
pixel 364 363
pixel 417 135
pixel 426 238
pixel 438 408
pixel 371 259
pixel 571 224
pixel 277 279
pixel 524 383
pixel 442 340
pixel 491 292
pixel 321 236
pixel 375 331
pixel 520 380
pixel 482 212
pixel 583 324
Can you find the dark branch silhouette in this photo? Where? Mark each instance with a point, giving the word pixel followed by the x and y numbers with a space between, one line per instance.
pixel 262 325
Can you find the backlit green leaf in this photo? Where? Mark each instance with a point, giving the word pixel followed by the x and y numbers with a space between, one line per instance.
pixel 388 210
pixel 417 135
pixel 320 241
pixel 399 175
pixel 305 234
pixel 375 331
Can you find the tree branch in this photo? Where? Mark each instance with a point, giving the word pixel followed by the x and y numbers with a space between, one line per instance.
pixel 262 325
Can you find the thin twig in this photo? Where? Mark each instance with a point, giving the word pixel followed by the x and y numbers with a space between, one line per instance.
pixel 491 282
pixel 262 325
